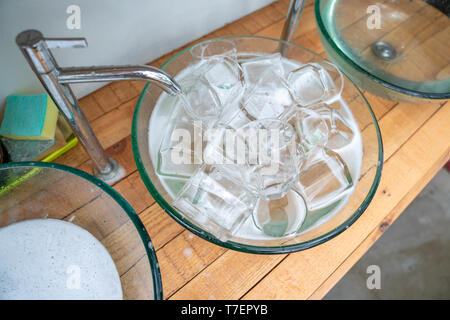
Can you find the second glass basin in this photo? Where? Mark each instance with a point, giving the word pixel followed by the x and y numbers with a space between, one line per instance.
pixel 398 50
pixel 40 191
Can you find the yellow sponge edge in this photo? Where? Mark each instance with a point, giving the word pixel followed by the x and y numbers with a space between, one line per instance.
pixel 51 117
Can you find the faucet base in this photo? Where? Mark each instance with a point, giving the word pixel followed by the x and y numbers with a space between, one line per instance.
pixel 114 173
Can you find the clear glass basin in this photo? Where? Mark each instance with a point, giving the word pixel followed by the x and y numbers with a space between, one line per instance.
pixel 146 139
pixel 40 190
pixel 398 50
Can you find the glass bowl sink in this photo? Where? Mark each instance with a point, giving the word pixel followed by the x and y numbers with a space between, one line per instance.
pixel 41 192
pixel 398 50
pixel 152 115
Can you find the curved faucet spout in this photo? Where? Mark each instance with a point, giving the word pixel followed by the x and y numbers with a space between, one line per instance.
pixel 36 49
pixel 117 73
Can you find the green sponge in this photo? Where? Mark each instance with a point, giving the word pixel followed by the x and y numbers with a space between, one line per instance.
pixel 29 117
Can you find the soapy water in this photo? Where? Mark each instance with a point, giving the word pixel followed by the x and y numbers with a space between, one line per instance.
pixel 325 164
pixel 53 259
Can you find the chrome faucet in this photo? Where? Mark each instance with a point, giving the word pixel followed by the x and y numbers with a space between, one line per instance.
pixel 56 81
pixel 291 23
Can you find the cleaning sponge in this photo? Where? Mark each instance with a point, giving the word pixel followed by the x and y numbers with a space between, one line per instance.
pixel 29 117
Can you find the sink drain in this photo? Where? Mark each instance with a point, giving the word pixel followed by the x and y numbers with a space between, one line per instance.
pixel 384 50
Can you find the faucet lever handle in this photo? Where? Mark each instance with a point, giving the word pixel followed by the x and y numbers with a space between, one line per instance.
pixel 34 39
pixel 53 43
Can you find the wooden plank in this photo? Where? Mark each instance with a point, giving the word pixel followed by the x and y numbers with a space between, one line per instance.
pixel 312 42
pixel 426 151
pixel 283 6
pixel 90 107
pixel 186 256
pixel 266 16
pixel 132 188
pixel 114 126
pixel 307 24
pixel 273 14
pixel 74 157
pixel 124 90
pixel 229 277
pixel 251 24
pixel 433 56
pixel 106 98
pixel 138 85
pixel 259 18
pixel 236 28
pixel 102 217
pixel 125 247
pixel 160 226
pixel 382 105
pixel 400 124
pixel 121 152
pixel 137 283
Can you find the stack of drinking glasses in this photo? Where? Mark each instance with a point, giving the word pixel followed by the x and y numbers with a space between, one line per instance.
pixel 257 136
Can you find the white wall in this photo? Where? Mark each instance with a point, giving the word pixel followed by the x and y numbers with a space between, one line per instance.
pixel 118 32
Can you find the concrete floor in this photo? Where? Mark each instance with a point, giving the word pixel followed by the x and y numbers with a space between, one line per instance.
pixel 413 255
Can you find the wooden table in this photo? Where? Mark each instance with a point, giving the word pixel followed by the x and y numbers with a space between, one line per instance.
pixel 416 144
